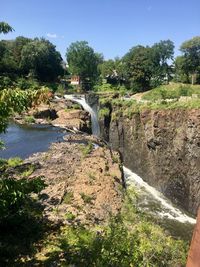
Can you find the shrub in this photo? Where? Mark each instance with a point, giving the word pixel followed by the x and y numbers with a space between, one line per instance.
pixel 29 119
pixel 117 245
pixel 103 112
pixel 14 193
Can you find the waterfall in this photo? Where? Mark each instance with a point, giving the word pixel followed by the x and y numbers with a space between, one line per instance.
pixel 94 118
pixel 150 193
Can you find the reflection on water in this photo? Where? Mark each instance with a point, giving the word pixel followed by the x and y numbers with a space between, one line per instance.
pixel 22 141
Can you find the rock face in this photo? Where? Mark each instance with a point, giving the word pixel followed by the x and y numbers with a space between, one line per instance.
pixel 163 147
pixel 84 181
pixel 61 113
pixel 73 119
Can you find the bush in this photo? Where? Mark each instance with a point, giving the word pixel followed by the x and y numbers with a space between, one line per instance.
pixel 29 119
pixel 117 245
pixel 14 193
pixel 5 82
pixel 103 112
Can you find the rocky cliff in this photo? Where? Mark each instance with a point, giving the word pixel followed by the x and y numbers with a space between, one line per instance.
pixel 163 147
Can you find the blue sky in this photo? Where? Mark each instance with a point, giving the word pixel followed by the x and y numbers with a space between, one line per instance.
pixel 111 27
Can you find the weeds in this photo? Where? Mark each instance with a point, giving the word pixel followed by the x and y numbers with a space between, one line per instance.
pixel 86 198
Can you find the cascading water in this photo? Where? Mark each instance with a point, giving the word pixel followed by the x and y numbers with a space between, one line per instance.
pixel 148 192
pixel 94 119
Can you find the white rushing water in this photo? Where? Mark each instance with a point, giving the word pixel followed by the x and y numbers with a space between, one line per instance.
pixel 168 210
pixel 149 193
pixel 81 100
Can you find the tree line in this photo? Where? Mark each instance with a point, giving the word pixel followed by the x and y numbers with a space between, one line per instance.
pixel 140 69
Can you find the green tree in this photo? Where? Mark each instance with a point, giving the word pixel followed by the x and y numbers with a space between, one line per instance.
pixel 162 53
pixel 191 53
pixel 112 71
pixel 181 70
pixel 5 27
pixel 40 58
pixel 83 61
pixel 139 67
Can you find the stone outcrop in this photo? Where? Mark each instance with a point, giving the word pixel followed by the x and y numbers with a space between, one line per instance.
pixel 73 119
pixel 163 147
pixel 83 178
pixel 58 113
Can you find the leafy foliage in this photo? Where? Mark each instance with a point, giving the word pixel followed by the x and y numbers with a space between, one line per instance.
pixel 191 55
pixel 5 27
pixel 83 61
pixel 40 59
pixel 17 101
pixel 14 193
pixel 30 58
pixel 129 239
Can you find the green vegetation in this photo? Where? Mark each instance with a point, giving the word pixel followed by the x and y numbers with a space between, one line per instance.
pixel 129 239
pixel 86 149
pixel 13 162
pixel 172 91
pixel 86 198
pixel 15 193
pixel 103 112
pixel 68 197
pixel 5 27
pixel 28 171
pixel 29 119
pixel 70 216
pixel 171 96
pixel 83 62
pixel 17 101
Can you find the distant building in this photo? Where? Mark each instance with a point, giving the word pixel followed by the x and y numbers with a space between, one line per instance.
pixel 75 80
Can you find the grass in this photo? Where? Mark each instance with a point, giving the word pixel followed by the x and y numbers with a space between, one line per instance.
pixel 68 198
pixel 70 216
pixel 86 149
pixel 13 162
pixel 86 198
pixel 166 97
pixel 163 97
pixel 28 172
pixel 29 119
pixel 171 91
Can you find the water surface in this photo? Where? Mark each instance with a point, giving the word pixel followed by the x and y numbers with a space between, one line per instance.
pixel 24 140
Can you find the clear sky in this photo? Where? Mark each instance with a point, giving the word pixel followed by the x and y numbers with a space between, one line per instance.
pixel 111 27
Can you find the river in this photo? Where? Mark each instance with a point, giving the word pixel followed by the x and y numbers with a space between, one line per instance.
pixel 24 140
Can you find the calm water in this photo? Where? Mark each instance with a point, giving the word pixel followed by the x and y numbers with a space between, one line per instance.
pixel 24 140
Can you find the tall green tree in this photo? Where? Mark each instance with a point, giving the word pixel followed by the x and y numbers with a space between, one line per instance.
pixel 162 56
pixel 181 70
pixel 83 61
pixel 191 53
pixel 40 59
pixel 139 67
